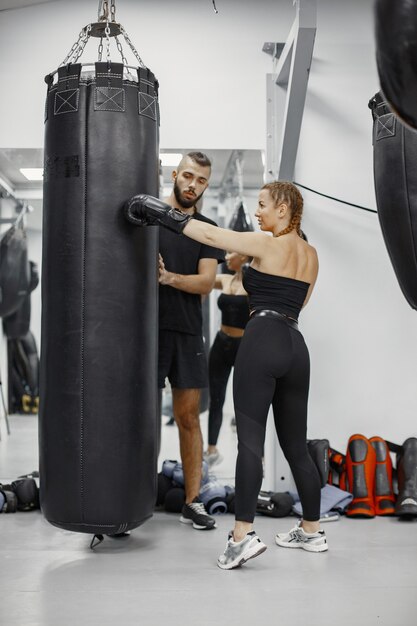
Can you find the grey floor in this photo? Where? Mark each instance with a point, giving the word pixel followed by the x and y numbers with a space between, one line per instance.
pixel 166 572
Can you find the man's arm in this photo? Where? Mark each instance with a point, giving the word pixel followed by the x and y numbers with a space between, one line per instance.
pixel 201 283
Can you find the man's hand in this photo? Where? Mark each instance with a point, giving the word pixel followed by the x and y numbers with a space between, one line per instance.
pixel 164 275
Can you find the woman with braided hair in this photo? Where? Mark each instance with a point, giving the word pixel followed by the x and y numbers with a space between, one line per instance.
pixel 272 365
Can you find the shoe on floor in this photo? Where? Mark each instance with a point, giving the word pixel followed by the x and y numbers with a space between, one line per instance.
pixel 238 552
pixel 298 538
pixel 195 514
pixel 212 458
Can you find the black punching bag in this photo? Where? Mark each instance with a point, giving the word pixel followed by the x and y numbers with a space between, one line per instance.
pixel 395 177
pixel 396 55
pixel 98 386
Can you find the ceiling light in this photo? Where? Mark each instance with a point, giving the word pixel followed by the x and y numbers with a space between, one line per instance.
pixel 32 173
pixel 170 159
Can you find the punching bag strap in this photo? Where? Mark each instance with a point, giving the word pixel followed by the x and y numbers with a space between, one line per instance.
pixel 394 447
pixel 69 76
pixel 147 82
pixel 109 74
pixel 148 94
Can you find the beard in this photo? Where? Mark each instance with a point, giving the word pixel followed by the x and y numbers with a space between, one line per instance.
pixel 183 202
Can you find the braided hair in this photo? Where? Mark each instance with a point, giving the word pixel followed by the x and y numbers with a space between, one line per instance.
pixel 282 191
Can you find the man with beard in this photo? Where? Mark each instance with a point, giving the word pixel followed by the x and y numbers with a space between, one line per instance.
pixel 187 271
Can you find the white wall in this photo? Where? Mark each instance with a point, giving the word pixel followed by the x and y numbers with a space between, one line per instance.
pixel 211 69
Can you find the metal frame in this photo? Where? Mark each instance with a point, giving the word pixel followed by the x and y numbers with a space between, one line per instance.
pixel 286 92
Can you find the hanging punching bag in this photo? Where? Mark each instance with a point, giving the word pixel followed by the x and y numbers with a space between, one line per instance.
pixel 395 178
pixel 396 50
pixel 241 220
pixel 98 384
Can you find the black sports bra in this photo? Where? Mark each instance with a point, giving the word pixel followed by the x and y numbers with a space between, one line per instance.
pixel 235 310
pixel 279 293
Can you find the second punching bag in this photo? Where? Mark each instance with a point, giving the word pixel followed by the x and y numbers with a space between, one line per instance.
pixel 98 395
pixel 395 177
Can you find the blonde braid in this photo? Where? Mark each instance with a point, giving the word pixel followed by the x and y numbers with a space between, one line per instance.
pixel 282 191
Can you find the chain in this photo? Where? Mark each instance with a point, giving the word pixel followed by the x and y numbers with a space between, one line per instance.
pixel 100 49
pixel 75 47
pixel 125 61
pixel 107 32
pixel 239 174
pixel 84 39
pixel 113 10
pixel 214 6
pixel 131 46
pixel 103 6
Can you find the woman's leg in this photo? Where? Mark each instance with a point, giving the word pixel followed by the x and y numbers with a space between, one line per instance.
pixel 220 366
pixel 290 414
pixel 261 359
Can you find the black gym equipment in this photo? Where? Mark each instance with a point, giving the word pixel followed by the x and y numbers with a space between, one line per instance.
pixel 396 51
pixel 14 267
pixel 241 220
pixel 98 379
pixel 17 324
pixel 319 452
pixel 406 505
pixel 23 361
pixel 395 156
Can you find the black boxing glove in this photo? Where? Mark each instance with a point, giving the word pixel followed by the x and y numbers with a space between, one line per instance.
pixel 144 210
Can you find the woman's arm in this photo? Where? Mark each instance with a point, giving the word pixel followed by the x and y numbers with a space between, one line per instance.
pixel 144 210
pixel 250 244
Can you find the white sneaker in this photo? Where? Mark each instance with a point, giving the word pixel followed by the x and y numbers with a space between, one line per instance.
pixel 298 538
pixel 212 458
pixel 238 552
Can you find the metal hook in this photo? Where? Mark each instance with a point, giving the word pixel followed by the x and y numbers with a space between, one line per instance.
pixel 103 7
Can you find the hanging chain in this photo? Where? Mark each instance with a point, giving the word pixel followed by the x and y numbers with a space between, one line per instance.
pixel 107 32
pixel 74 48
pixel 113 10
pixel 78 47
pixel 100 49
pixel 83 43
pixel 131 46
pixel 125 61
pixel 239 174
pixel 103 11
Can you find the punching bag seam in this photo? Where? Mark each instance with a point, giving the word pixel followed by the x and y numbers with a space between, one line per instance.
pixel 407 189
pixel 83 317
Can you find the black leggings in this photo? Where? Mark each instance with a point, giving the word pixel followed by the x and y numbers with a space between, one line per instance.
pixel 221 360
pixel 272 367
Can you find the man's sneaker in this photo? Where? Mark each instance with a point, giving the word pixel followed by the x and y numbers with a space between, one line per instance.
pixel 212 458
pixel 238 552
pixel 195 514
pixel 297 538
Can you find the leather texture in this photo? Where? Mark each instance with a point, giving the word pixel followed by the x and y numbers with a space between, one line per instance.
pixel 396 51
pixel 395 156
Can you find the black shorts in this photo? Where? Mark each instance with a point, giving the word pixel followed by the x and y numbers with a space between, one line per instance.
pixel 182 359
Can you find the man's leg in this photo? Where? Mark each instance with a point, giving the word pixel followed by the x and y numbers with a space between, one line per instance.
pixel 186 407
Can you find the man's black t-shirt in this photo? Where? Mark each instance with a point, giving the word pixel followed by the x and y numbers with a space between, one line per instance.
pixel 179 310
